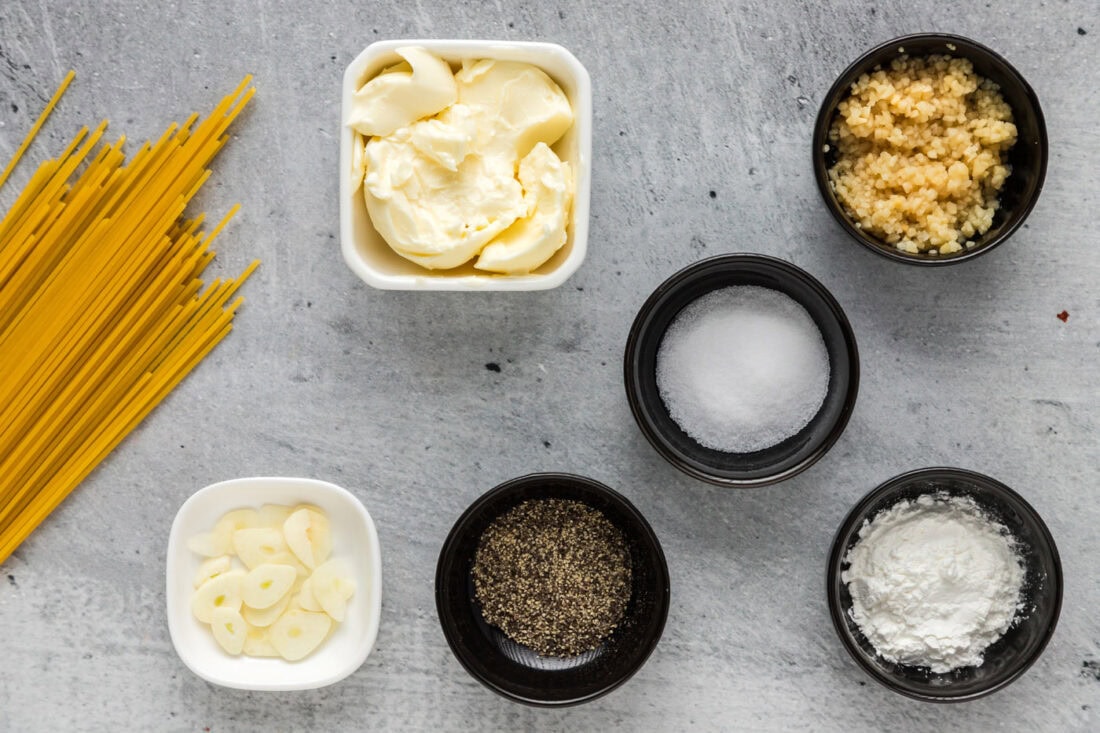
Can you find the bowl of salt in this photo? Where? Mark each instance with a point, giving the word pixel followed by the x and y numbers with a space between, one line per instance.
pixel 741 370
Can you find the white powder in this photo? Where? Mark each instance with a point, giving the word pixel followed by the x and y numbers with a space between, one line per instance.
pixel 934 582
pixel 742 368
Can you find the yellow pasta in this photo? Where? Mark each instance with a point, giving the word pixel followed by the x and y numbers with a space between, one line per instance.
pixel 102 310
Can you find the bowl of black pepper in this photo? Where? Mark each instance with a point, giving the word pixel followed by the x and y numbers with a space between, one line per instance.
pixel 552 589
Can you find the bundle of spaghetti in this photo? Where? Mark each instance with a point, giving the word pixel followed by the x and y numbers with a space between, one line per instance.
pixel 102 309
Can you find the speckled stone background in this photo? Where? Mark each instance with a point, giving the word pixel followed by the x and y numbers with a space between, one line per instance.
pixel 701 146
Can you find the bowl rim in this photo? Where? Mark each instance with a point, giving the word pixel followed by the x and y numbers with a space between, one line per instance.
pixel 582 184
pixel 833 570
pixel 677 280
pixel 475 509
pixel 824 118
pixel 373 610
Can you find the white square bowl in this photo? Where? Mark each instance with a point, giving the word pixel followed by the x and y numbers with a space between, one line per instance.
pixel 353 538
pixel 368 255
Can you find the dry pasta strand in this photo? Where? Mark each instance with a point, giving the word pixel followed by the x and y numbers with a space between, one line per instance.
pixel 37 126
pixel 102 307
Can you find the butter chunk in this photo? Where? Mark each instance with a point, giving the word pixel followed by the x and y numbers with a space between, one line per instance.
pixel 533 239
pixel 358 161
pixel 437 217
pixel 397 97
pixel 449 139
pixel 519 103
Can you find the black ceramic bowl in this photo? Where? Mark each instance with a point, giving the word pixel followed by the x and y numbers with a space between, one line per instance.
pixel 763 467
pixel 1028 156
pixel 1006 659
pixel 516 671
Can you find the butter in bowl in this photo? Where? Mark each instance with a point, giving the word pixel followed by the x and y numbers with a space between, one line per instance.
pixel 465 165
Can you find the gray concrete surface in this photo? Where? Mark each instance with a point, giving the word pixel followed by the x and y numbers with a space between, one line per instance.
pixel 388 393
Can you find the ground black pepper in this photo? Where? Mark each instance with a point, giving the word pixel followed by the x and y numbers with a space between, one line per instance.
pixel 554 575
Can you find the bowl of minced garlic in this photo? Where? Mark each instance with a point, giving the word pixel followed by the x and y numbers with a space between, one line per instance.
pixel 944 584
pixel 930 149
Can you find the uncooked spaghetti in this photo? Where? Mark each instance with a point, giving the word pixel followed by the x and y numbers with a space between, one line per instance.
pixel 102 311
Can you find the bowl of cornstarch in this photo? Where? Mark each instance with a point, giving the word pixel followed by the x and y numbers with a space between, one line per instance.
pixel 944 585
pixel 552 589
pixel 741 370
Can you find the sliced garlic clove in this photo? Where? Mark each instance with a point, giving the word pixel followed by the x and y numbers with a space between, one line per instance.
pixel 266 584
pixel 211 568
pixel 288 558
pixel 264 617
pixel 308 536
pixel 273 515
pixel 230 629
pixel 306 599
pixel 332 587
pixel 208 544
pixel 346 587
pixel 258 545
pixel 230 523
pixel 298 633
pixel 257 643
pixel 222 591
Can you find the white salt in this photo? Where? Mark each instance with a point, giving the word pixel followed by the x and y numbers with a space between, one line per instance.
pixel 742 368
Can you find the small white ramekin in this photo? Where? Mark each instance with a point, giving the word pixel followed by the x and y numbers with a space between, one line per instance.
pixel 368 255
pixel 353 538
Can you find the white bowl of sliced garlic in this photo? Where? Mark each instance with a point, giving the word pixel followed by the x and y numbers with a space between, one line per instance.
pixel 435 211
pixel 273 583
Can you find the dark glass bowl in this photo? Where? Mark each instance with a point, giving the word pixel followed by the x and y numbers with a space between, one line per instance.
pixel 780 461
pixel 1028 156
pixel 516 671
pixel 1007 658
